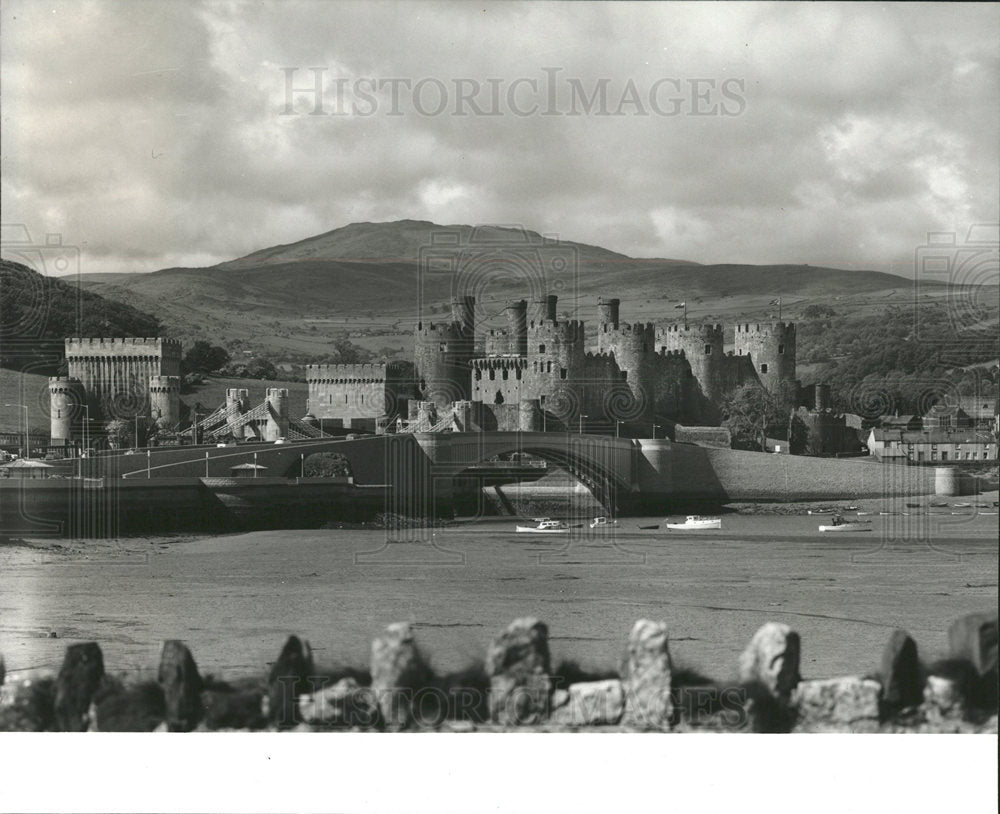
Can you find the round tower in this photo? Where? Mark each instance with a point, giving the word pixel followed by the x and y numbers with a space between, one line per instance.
pixel 463 313
pixel 277 414
pixel 607 310
pixel 65 396
pixel 443 352
pixel 516 312
pixel 165 400
pixel 543 309
pixel 556 364
pixel 822 398
pixel 634 350
pixel 771 348
pixel 237 403
pixel 704 349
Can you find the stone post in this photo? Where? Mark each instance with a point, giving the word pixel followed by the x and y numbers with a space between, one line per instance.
pixel 518 666
pixel 772 659
pixel 181 683
pixel 646 676
pixel 81 672
pixel 398 674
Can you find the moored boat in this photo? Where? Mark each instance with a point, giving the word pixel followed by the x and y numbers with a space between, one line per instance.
pixel 696 522
pixel 601 522
pixel 545 526
pixel 839 524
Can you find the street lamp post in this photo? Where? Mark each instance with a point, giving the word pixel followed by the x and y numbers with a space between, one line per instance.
pixel 618 424
pixel 582 416
pixel 655 428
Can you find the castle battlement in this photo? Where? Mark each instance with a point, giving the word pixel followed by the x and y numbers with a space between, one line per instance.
pixel 765 327
pixel 362 373
pixel 666 353
pixel 441 330
pixel 702 329
pixel 164 384
pixel 630 328
pixel 570 329
pixel 128 345
pixel 498 362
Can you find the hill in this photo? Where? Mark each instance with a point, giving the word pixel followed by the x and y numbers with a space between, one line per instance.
pixel 38 312
pixel 366 281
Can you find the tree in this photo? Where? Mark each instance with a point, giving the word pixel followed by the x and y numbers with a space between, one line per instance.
pixel 120 433
pixel 750 411
pixel 205 358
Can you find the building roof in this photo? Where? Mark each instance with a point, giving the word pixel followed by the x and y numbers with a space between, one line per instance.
pixel 941 436
pixel 889 420
pixel 979 407
pixel 24 463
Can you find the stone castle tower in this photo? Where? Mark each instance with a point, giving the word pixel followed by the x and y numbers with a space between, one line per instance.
pixel 443 352
pixel 770 347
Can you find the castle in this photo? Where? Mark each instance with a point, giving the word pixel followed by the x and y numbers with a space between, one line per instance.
pixel 116 378
pixel 537 374
pixel 534 374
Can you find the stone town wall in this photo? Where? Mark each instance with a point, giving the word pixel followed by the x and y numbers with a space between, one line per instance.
pixel 517 687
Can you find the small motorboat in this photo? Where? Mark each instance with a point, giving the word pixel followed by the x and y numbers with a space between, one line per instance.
pixel 545 526
pixel 647 528
pixel 961 505
pixel 839 524
pixel 820 511
pixel 939 505
pixel 696 522
pixel 601 522
pixel 865 514
pixel 850 508
pixel 913 505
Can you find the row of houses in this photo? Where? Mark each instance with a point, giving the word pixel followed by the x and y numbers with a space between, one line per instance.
pixel 965 431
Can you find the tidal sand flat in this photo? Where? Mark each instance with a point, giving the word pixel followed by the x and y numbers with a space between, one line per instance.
pixel 234 599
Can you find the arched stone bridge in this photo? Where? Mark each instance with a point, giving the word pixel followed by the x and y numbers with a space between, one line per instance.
pixel 420 467
pixel 627 474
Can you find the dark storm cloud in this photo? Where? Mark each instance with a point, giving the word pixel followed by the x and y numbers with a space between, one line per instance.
pixel 152 134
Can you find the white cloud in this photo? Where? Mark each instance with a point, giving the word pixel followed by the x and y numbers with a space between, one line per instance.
pixel 151 133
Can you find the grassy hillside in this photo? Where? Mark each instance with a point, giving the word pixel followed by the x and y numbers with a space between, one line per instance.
pixel 364 282
pixel 37 313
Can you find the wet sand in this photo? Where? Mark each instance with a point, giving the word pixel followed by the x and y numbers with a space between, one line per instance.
pixel 235 598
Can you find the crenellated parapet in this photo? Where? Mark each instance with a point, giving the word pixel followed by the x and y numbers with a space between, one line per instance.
pixel 362 373
pixel 124 346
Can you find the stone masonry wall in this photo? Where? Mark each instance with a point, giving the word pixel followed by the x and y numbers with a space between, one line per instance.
pixel 517 687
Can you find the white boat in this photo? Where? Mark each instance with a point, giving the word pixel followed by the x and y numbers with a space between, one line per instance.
pixel 696 522
pixel 545 527
pixel 601 522
pixel 838 524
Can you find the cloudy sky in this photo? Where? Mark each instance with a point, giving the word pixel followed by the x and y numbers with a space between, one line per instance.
pixel 153 134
